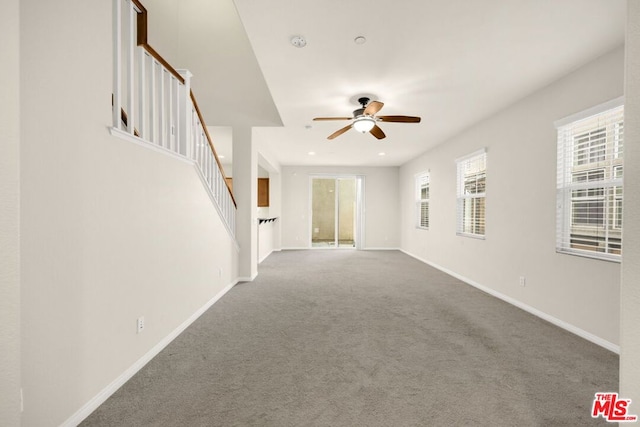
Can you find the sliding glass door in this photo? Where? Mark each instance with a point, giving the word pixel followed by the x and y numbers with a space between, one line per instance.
pixel 335 211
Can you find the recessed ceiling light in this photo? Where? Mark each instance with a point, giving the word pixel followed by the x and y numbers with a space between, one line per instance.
pixel 298 41
pixel 360 40
pixel 382 154
pixel 221 156
pixel 311 153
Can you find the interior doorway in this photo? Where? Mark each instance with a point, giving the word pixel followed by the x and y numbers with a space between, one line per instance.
pixel 335 212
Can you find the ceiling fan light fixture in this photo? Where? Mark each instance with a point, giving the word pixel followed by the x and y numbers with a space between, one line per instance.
pixel 365 119
pixel 364 124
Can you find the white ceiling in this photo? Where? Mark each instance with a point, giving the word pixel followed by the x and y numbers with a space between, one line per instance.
pixel 452 62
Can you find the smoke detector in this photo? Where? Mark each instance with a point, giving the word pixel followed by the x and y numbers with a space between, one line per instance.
pixel 298 41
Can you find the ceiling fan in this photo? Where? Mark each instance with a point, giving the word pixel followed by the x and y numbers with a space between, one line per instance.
pixel 364 119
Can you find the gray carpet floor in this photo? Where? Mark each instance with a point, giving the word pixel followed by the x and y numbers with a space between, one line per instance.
pixel 364 338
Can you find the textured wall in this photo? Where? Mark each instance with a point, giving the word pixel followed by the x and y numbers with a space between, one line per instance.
pixel 521 206
pixel 323 209
pixel 346 209
pixel 630 290
pixel 9 216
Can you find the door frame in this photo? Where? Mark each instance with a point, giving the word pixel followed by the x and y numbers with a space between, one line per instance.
pixel 359 215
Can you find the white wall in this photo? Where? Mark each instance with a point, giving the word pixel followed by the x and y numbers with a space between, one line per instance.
pixel 630 291
pixel 245 191
pixel 381 205
pixel 110 230
pixel 521 199
pixel 269 235
pixel 266 238
pixel 10 216
pixel 227 80
pixel 163 30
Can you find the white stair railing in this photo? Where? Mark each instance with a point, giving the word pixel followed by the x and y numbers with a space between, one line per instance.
pixel 153 102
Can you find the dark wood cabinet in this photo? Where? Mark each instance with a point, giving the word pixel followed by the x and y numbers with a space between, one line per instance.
pixel 263 192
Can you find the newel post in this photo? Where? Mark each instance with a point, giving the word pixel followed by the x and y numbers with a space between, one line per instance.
pixel 117 63
pixel 185 115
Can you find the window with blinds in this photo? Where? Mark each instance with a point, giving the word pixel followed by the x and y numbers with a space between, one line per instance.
pixel 422 200
pixel 589 183
pixel 471 184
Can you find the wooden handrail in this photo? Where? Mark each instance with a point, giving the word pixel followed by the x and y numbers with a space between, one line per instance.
pixel 151 51
pixel 210 141
pixel 142 41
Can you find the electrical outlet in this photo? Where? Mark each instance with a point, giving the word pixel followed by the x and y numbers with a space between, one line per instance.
pixel 140 324
pixel 522 281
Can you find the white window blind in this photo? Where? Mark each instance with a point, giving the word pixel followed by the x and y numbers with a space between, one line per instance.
pixel 589 185
pixel 422 200
pixel 472 182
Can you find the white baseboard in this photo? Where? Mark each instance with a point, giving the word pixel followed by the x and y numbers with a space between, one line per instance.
pixel 265 257
pixel 551 319
pixel 381 249
pixel 304 248
pixel 247 279
pixel 101 397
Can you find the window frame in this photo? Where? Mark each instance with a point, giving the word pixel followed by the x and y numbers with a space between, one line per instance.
pixel 595 185
pixel 464 196
pixel 421 179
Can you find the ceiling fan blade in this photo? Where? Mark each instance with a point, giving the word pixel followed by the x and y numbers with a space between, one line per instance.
pixel 377 132
pixel 332 118
pixel 399 119
pixel 339 132
pixel 373 108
